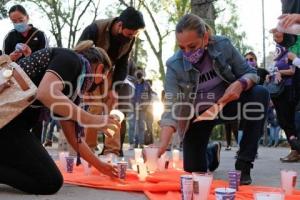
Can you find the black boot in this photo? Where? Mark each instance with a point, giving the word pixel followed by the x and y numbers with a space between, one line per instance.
pixel 245 168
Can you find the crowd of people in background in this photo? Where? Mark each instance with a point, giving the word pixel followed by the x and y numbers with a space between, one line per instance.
pixel 204 64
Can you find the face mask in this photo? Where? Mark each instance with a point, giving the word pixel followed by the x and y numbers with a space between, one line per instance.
pixel 21 27
pixel 123 39
pixel 139 75
pixel 252 63
pixel 194 56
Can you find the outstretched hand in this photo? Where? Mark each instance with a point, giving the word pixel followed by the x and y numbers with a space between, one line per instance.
pixel 289 19
pixel 109 169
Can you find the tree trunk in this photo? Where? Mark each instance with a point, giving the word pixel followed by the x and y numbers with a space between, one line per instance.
pixel 206 10
pixel 161 68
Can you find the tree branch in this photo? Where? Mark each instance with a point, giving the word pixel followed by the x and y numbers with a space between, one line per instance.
pixel 150 42
pixel 124 3
pixel 152 19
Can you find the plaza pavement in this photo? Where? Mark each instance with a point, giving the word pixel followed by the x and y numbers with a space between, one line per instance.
pixel 266 172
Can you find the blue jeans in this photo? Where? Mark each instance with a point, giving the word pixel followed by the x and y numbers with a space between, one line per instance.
pixel 274 135
pixel 136 129
pixel 49 135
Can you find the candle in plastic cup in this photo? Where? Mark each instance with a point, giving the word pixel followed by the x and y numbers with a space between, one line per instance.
pixel 151 156
pixel 133 164
pixel 288 181
pixel 142 169
pixel 293 29
pixel 269 196
pixel 137 153
pixel 86 167
pixel 62 159
pixel 186 185
pixel 118 115
pixel 163 162
pixel 122 168
pixel 201 185
pixel 70 163
pixel 176 158
pixel 225 193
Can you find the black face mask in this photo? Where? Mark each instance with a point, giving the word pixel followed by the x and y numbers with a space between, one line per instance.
pixel 123 39
pixel 139 75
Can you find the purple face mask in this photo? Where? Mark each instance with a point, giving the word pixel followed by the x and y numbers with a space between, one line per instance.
pixel 193 56
pixel 252 63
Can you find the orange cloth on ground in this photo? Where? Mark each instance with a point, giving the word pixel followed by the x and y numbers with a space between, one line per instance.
pixel 160 185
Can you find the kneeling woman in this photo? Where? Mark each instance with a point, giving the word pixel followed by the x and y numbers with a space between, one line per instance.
pixel 208 69
pixel 24 163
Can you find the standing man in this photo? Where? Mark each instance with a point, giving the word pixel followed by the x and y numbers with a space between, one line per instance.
pixel 116 36
pixel 140 102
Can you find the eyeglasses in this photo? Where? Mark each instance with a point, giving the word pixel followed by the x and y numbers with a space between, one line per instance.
pixel 250 59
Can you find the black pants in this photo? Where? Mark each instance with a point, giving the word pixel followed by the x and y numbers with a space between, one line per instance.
pixel 197 137
pixel 285 106
pixel 24 163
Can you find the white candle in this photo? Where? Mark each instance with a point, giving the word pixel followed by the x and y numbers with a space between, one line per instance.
pixel 176 155
pixel 118 114
pixel 137 153
pixel 142 169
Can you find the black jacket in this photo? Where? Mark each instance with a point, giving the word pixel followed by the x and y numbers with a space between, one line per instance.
pixel 39 41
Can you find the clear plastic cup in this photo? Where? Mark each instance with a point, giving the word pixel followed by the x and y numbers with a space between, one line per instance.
pixel 268 195
pixel 151 156
pixel 225 193
pixel 201 185
pixel 186 185
pixel 288 181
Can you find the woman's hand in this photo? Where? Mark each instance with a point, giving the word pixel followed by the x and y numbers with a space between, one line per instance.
pixel 107 124
pixel 26 50
pixel 291 56
pixel 232 93
pixel 289 19
pixel 14 56
pixel 108 169
pixel 278 77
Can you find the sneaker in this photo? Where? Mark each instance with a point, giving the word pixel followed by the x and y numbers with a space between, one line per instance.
pixel 216 159
pixel 245 168
pixel 228 148
pixel 48 143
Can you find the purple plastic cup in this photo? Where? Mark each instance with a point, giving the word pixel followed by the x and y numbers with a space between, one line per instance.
pixel 225 193
pixel 234 179
pixel 122 167
pixel 70 163
pixel 186 185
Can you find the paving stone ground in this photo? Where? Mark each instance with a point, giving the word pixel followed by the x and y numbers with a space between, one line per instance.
pixel 266 172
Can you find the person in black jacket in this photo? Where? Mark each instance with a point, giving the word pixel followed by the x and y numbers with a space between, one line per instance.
pixel 116 36
pixel 22 33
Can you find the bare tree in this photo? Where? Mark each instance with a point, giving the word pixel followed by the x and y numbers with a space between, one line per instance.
pixel 66 15
pixel 161 33
pixel 3 11
pixel 205 9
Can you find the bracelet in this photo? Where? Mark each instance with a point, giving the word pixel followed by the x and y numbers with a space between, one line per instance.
pixel 244 83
